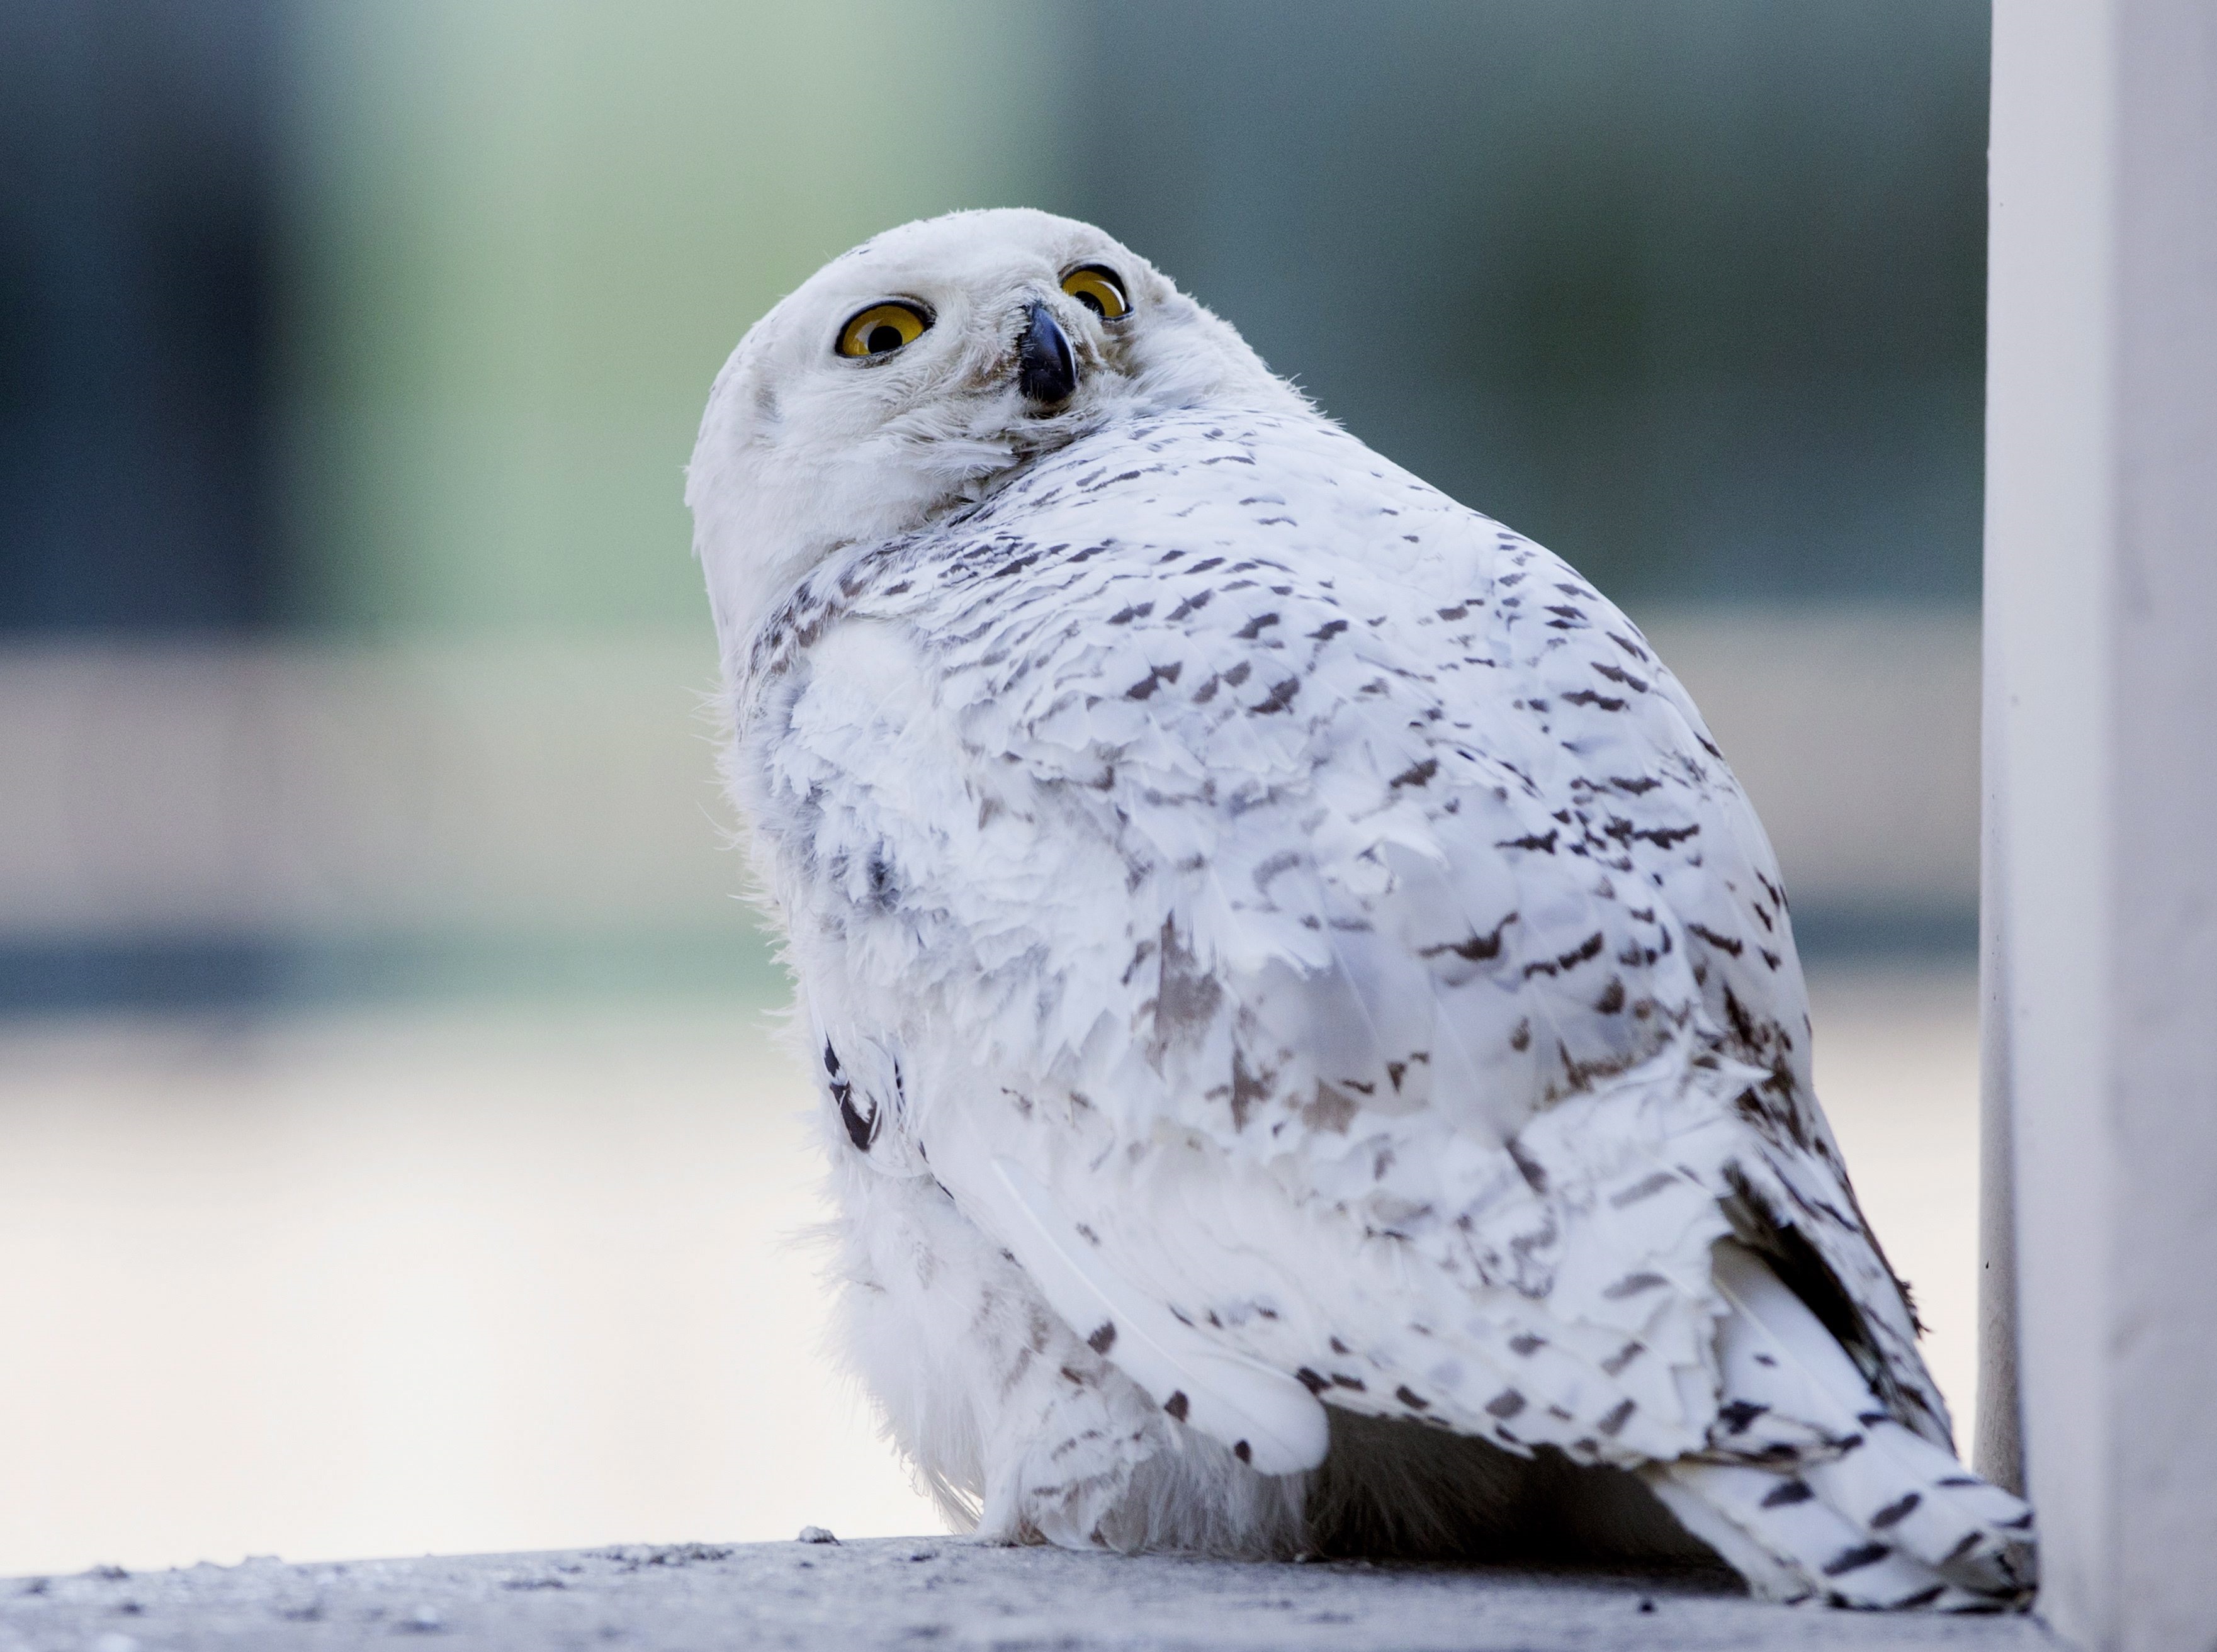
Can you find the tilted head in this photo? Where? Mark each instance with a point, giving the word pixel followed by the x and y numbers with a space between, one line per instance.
pixel 918 370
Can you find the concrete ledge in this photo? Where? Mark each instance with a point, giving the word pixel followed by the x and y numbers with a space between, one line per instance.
pixel 936 1592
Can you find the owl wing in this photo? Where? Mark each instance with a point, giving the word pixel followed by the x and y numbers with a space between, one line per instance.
pixel 1311 956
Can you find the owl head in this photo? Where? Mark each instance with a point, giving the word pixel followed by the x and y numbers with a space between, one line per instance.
pixel 922 370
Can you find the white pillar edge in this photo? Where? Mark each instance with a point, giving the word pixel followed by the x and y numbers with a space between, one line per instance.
pixel 2100 677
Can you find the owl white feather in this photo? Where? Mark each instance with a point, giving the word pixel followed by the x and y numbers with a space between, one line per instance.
pixel 1313 1057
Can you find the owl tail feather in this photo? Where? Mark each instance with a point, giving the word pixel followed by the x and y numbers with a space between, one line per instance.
pixel 1811 1490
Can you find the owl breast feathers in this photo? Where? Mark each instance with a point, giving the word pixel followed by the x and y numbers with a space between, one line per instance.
pixel 1307 1020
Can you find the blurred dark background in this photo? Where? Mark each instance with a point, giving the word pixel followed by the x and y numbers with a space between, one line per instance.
pixel 141 222
pixel 1692 292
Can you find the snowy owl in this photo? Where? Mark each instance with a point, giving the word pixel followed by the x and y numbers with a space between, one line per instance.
pixel 1311 1050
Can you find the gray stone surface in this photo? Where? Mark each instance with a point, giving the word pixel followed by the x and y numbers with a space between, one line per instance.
pixel 929 1593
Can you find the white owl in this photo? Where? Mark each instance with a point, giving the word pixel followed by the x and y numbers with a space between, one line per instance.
pixel 1312 1051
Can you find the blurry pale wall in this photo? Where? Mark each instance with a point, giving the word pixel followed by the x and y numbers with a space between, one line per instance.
pixel 375 1283
pixel 380 1283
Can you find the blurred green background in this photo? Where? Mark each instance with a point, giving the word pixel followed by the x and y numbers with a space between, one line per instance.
pixel 1692 292
pixel 360 346
pixel 529 233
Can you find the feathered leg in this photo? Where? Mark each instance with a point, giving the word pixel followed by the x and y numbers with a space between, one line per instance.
pixel 1021 1430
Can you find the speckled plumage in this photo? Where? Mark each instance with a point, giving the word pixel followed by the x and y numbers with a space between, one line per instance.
pixel 1274 938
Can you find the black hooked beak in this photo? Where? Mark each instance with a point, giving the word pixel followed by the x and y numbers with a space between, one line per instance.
pixel 1047 367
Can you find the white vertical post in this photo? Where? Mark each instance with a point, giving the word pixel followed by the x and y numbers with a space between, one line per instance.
pixel 2101 702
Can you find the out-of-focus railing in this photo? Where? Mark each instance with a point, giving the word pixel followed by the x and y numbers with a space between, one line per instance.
pixel 284 795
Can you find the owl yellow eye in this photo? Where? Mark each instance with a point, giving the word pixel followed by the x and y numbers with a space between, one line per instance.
pixel 882 328
pixel 1097 288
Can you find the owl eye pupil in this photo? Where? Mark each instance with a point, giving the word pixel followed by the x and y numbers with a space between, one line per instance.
pixel 881 329
pixel 1100 290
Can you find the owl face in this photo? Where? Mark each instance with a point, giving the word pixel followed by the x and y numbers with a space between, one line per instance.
pixel 920 370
